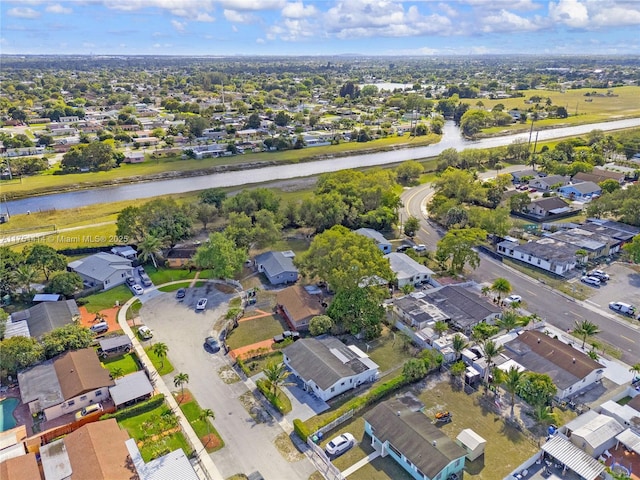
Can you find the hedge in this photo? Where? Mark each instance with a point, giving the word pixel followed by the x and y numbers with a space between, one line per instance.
pixel 276 401
pixel 137 409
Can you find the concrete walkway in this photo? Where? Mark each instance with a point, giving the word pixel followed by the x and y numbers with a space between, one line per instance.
pixel 361 463
pixel 205 468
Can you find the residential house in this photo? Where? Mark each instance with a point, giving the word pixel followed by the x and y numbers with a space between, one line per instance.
pixel 133 157
pixel 407 270
pixel 612 233
pixel 382 243
pixel 298 306
pixel 463 307
pixel 171 466
pixel 549 182
pixel 618 226
pixel 180 255
pixel 417 318
pixel 102 269
pixel 125 251
pixel 328 367
pixel 580 191
pixel 548 254
pixel 65 384
pixel 626 415
pixel 46 316
pixel 543 207
pixel 411 439
pixel 571 370
pixel 596 436
pixel 131 389
pixel 595 244
pixel 523 176
pixel 96 450
pixel 560 450
pixel 278 267
pixel 598 175
pixel 21 467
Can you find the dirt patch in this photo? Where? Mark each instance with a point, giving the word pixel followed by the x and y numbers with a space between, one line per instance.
pixel 287 449
pixel 253 408
pixel 226 289
pixel 228 374
pixel 211 442
pixel 185 397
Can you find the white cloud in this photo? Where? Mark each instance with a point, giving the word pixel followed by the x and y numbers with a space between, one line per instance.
pixel 616 15
pixel 506 21
pixel 525 5
pixel 298 10
pixel 180 8
pixel 59 9
pixel 204 17
pixel 179 26
pixel 23 12
pixel 238 17
pixel 572 13
pixel 251 5
pixel 260 41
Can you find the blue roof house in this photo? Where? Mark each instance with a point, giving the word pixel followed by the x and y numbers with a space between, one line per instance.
pixel 278 267
pixel 582 191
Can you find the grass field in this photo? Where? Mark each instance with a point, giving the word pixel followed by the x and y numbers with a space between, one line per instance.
pixel 164 275
pixel 108 298
pixel 162 365
pixel 386 351
pixel 252 331
pixel 128 363
pixel 203 427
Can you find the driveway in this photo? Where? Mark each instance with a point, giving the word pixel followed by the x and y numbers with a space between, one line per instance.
pixel 249 446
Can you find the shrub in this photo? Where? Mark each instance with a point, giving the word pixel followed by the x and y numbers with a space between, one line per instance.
pixel 275 400
pixel 134 410
pixel 301 429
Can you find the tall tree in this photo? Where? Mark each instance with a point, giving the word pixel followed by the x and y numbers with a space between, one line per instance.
pixel 411 226
pixel 511 382
pixel 491 350
pixel 69 337
pixel 585 329
pixel 149 247
pixel 160 350
pixel 509 320
pixel 457 370
pixel 276 374
pixel 344 259
pixel 635 369
pixel 221 255
pixel 358 310
pixel 457 246
pixel 18 353
pixel 180 380
pixel 24 276
pixel 213 196
pixel 65 283
pixel 458 344
pixel 205 415
pixel 44 258
pixel 502 287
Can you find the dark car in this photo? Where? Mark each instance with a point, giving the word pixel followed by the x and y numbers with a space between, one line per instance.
pixel 131 281
pixel 211 344
pixel 181 292
pixel 403 248
pixel 278 338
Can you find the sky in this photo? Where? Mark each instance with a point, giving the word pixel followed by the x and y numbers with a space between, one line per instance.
pixel 320 27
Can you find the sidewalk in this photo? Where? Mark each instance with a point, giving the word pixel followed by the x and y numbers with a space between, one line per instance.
pixel 205 468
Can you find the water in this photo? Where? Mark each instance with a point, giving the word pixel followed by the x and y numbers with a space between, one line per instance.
pixel 7 406
pixel 450 139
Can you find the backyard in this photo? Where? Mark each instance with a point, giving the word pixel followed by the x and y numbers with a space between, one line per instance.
pixel 122 364
pixel 107 299
pixel 388 350
pixel 249 332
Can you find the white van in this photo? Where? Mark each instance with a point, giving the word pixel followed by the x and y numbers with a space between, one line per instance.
pixel 623 308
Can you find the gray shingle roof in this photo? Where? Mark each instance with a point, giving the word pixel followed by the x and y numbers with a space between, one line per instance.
pixel 46 316
pixel 413 434
pixel 406 267
pixel 583 187
pixel 372 234
pixel 100 266
pixel 276 263
pixel 462 306
pixel 318 359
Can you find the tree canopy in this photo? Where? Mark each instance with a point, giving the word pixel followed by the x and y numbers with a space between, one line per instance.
pixel 457 247
pixel 221 255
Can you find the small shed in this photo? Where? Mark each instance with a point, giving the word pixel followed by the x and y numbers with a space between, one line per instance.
pixel 472 442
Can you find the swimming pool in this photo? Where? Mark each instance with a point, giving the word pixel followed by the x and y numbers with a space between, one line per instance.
pixel 7 406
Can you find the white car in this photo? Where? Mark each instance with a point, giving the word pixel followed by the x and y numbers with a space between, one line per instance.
pixel 202 304
pixel 340 444
pixel 599 274
pixel 420 247
pixel 137 289
pixel 593 281
pixel 513 299
pixel 145 332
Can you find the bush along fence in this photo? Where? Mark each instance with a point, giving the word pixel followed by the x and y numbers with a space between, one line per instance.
pixel 136 409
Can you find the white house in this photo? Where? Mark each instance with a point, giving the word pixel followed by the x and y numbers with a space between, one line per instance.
pixel 104 269
pixel 597 435
pixel 383 243
pixel 328 367
pixel 548 254
pixel 65 384
pixel 407 270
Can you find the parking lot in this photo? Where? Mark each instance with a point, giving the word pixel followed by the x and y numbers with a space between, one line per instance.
pixel 623 286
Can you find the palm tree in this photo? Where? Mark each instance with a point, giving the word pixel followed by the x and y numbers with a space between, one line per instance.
pixel 543 414
pixel 440 327
pixel 585 329
pixel 180 380
pixel 149 247
pixel 635 369
pixel 458 344
pixel 501 286
pixel 593 355
pixel 24 276
pixel 160 350
pixel 491 349
pixel 277 375
pixel 509 320
pixel 205 415
pixel 511 382
pixel 117 372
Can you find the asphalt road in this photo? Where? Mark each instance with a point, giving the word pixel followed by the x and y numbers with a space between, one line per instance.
pixel 555 308
pixel 249 446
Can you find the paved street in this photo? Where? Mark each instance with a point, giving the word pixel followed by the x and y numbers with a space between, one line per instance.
pixel 249 445
pixel 553 307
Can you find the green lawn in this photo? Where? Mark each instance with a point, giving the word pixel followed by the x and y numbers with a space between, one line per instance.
pixel 202 428
pixel 134 425
pixel 163 366
pixel 386 351
pixel 252 331
pixel 165 275
pixel 506 447
pixel 258 364
pixel 128 363
pixel 173 288
pixel 134 310
pixel 107 299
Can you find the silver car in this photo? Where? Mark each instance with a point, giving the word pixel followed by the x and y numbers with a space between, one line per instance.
pixel 340 444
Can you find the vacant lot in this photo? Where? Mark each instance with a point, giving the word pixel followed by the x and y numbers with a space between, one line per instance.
pixel 387 351
pixel 249 332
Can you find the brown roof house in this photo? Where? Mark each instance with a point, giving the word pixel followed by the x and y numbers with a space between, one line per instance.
pixel 298 306
pixel 569 368
pixel 65 384
pixel 544 207
pixel 22 467
pixel 96 450
pixel 598 175
pixel 413 441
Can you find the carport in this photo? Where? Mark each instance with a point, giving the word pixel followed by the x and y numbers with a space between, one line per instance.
pixel 572 458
